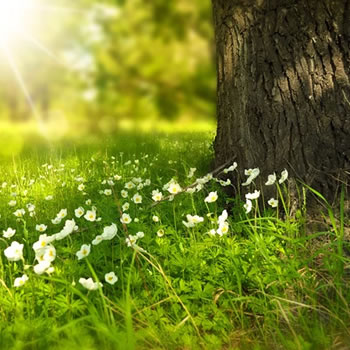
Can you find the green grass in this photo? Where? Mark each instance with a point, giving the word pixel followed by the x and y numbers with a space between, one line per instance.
pixel 271 282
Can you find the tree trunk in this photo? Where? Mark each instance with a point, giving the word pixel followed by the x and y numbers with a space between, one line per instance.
pixel 284 87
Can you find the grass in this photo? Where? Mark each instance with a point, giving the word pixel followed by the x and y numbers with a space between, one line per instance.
pixel 270 282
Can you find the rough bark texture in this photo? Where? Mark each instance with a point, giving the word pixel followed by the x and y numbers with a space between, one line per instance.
pixel 284 86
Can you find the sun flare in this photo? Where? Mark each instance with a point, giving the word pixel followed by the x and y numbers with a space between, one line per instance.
pixel 15 16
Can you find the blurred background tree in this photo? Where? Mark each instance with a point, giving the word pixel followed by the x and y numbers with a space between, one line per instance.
pixel 113 63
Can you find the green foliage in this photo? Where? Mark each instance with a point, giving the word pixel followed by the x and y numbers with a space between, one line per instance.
pixel 106 61
pixel 269 282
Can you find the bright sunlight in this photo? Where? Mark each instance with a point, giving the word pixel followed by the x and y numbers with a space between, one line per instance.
pixel 14 18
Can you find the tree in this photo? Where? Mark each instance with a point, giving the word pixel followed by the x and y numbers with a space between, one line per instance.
pixel 284 87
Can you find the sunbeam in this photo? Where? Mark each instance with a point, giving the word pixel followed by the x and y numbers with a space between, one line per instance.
pixel 18 75
pixel 35 42
pixel 17 18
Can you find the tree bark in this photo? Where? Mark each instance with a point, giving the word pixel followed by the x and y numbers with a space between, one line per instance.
pixel 284 87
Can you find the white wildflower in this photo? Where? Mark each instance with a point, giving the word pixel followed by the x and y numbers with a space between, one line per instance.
pixel 252 174
pixel 20 281
pixel 90 215
pixel 109 232
pixel 212 197
pixel 111 278
pixel 252 196
pixel 14 252
pixel 90 284
pixel 125 219
pixel 79 212
pixel 271 179
pixel 10 232
pixel 284 176
pixel 273 202
pixel 248 206
pixel 84 251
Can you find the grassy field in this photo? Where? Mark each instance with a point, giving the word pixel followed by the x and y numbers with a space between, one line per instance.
pixel 121 244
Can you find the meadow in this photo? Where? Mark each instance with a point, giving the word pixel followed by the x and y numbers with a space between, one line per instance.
pixel 134 243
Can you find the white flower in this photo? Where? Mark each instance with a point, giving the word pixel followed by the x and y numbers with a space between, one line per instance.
pixel 212 197
pixel 90 284
pixel 31 207
pixel 62 213
pixel 248 206
pixel 155 218
pixel 271 179
pixel 191 172
pixel 84 251
pixel 20 281
pixel 223 217
pixel 48 198
pixel 109 232
pixel 48 253
pixel 117 177
pixel 111 278
pixel 199 187
pixel 14 252
pixel 129 185
pixel 12 203
pixel 203 180
pixel 124 194
pixel 252 196
pixel 41 228
pixel 157 195
pixel 19 213
pixel 252 174
pixel 107 192
pixel 140 234
pixel 225 183
pixel 131 240
pixel 56 221
pixel 191 190
pixel 98 239
pixel 88 202
pixel 223 228
pixel 90 215
pixel 81 187
pixel 68 228
pixel 231 168
pixel 42 267
pixel 273 202
pixel 174 188
pixel 192 220
pixel 212 232
pixel 10 232
pixel 43 241
pixel 160 233
pixel 137 199
pixel 125 219
pixel 126 206
pixel 284 176
pixel 79 212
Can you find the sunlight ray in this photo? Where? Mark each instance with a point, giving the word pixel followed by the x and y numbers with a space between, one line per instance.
pixel 42 48
pixel 18 75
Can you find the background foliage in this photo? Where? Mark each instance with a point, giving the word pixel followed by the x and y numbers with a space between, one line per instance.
pixel 114 61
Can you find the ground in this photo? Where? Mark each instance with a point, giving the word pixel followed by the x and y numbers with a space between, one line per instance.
pixel 133 243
